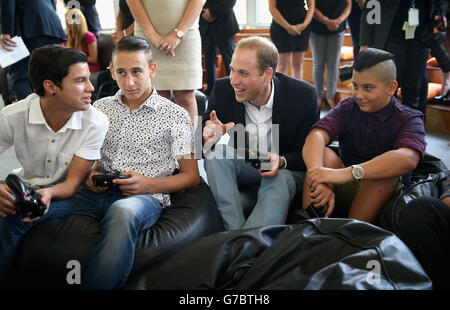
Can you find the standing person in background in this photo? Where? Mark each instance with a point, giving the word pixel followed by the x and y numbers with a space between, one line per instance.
pixel 290 32
pixel 218 27
pixel 171 27
pixel 124 22
pixel 38 25
pixel 89 11
pixel 354 22
pixel 327 36
pixel 409 47
pixel 445 89
pixel 78 37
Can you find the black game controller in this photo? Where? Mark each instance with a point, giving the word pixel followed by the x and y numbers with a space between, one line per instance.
pixel 106 179
pixel 255 161
pixel 28 201
pixel 314 212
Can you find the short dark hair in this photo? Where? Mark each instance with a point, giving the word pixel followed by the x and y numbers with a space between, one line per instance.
pixel 133 44
pixel 371 57
pixel 52 62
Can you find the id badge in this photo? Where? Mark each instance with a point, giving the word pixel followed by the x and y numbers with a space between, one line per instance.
pixel 413 17
pixel 409 32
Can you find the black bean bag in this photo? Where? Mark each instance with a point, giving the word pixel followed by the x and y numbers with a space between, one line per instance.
pixel 44 252
pixel 427 181
pixel 314 254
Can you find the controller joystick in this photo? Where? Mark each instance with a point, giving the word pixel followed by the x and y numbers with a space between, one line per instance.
pixel 28 201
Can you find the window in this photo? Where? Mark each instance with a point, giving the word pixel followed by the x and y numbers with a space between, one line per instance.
pixel 105 9
pixel 253 13
pixel 264 16
pixel 240 9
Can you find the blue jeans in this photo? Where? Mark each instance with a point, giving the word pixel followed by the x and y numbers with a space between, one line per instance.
pixel 122 218
pixel 326 51
pixel 274 194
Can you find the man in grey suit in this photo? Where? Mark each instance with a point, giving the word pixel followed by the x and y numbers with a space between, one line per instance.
pixel 38 25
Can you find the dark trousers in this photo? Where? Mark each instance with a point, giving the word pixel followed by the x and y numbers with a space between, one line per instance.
pixel 412 76
pixel 425 229
pixel 18 72
pixel 354 21
pixel 210 44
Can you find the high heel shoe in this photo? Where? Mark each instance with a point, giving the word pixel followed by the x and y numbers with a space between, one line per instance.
pixel 446 101
pixel 323 104
pixel 331 104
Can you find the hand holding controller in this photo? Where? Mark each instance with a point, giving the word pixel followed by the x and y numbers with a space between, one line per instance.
pixel 256 162
pixel 28 201
pixel 106 179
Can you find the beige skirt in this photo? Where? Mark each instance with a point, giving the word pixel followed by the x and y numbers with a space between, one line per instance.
pixel 182 71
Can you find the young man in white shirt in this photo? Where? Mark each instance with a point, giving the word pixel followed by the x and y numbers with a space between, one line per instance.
pixel 56 134
pixel 148 139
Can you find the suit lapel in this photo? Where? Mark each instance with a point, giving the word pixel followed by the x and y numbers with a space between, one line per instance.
pixel 238 111
pixel 277 100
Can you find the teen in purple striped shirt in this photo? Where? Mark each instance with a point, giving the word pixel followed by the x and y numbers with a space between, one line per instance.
pixel 379 141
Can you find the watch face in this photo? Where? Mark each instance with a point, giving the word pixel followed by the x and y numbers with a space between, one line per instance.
pixel 358 172
pixel 180 34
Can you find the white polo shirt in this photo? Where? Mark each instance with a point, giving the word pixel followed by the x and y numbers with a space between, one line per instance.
pixel 45 155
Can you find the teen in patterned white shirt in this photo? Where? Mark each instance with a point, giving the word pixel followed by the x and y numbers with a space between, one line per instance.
pixel 148 138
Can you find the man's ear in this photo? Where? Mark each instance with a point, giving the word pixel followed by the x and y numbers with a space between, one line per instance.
pixel 269 73
pixel 111 69
pixel 152 70
pixel 49 87
pixel 392 87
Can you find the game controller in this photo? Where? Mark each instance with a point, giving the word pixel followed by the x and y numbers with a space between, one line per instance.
pixel 314 212
pixel 255 161
pixel 28 201
pixel 106 179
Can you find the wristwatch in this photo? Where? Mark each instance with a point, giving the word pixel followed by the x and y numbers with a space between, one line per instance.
pixel 325 19
pixel 180 33
pixel 357 172
pixel 283 163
